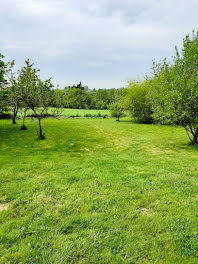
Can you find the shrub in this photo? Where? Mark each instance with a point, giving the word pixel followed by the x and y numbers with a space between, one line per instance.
pixel 138 101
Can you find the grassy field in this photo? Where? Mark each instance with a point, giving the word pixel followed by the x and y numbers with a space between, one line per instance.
pixel 67 112
pixel 97 191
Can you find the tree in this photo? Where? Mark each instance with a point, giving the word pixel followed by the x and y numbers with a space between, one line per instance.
pixel 3 92
pixel 103 97
pixel 36 93
pixel 2 70
pixel 177 99
pixel 23 109
pixel 138 102
pixel 3 104
pixel 116 110
pixel 8 83
pixel 77 98
pixel 13 90
pixel 14 100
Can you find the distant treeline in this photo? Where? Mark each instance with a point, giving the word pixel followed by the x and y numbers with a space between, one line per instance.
pixel 80 97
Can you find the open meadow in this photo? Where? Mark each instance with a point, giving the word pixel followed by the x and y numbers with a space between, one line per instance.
pixel 97 191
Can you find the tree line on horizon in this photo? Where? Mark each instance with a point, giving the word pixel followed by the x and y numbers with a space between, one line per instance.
pixel 81 97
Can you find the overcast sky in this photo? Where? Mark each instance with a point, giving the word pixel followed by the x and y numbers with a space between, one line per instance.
pixel 99 42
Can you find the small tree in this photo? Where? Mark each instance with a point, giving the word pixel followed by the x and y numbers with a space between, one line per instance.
pixel 8 87
pixel 13 89
pixel 14 100
pixel 36 94
pixel 116 110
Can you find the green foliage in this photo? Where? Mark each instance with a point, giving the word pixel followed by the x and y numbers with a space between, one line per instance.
pixel 4 104
pixel 177 99
pixel 4 94
pixel 138 101
pixel 2 70
pixel 116 110
pixel 35 93
pixel 80 97
pixel 77 98
pixel 102 98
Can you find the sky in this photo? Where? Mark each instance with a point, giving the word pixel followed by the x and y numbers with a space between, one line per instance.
pixel 102 43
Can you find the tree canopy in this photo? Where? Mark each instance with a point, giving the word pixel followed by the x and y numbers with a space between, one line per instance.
pixel 176 101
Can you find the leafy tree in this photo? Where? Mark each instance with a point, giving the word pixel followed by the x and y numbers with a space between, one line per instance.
pixel 2 70
pixel 103 97
pixel 13 89
pixel 77 98
pixel 3 92
pixel 61 94
pixel 176 101
pixel 116 110
pixel 3 104
pixel 23 109
pixel 138 102
pixel 8 83
pixel 36 93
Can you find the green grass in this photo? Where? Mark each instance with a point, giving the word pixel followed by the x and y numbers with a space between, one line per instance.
pixel 67 112
pixel 97 191
pixel 83 112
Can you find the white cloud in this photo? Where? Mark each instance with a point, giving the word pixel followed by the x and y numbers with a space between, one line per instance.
pixel 94 40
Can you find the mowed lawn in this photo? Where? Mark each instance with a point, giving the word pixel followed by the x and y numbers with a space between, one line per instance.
pixel 97 191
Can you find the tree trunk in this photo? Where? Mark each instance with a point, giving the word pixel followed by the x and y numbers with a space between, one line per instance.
pixel 195 136
pixel 40 129
pixel 23 121
pixel 15 111
pixel 24 116
pixel 14 120
pixel 118 118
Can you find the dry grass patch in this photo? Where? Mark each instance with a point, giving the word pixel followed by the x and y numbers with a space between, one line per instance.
pixel 3 207
pixel 146 211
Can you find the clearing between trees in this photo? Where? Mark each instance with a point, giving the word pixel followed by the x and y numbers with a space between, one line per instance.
pixel 97 191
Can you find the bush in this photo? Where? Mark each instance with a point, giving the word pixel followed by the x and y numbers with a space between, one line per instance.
pixel 138 101
pixel 90 115
pixel 5 116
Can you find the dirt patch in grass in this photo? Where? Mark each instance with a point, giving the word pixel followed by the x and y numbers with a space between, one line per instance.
pixel 146 211
pixel 3 207
pixel 158 151
pixel 44 198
